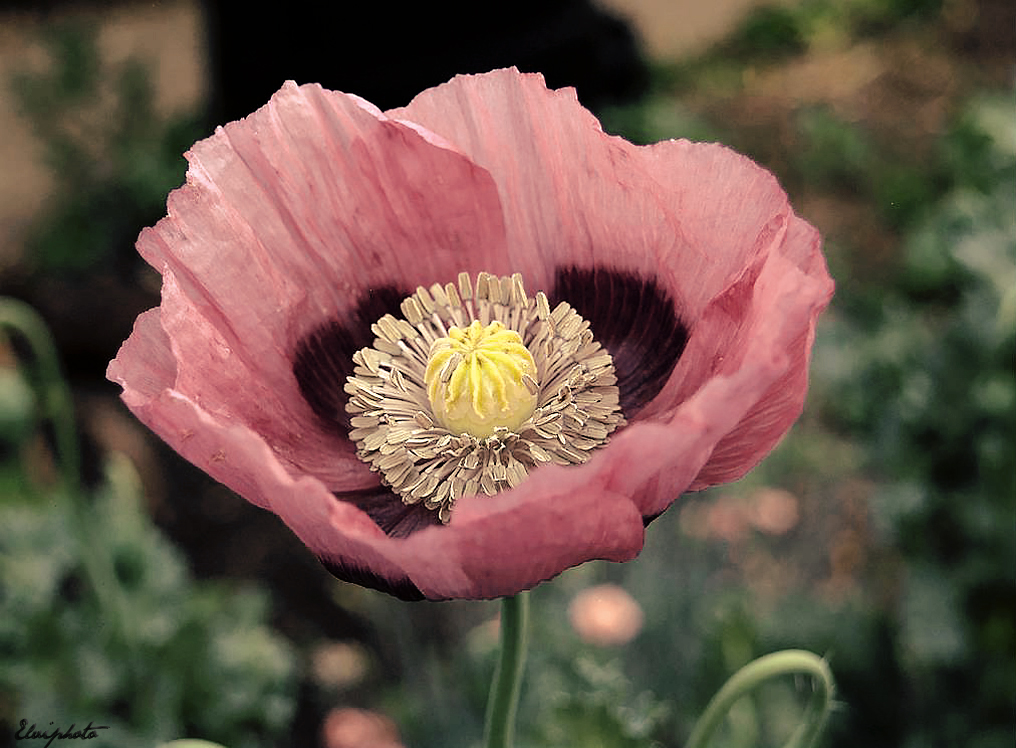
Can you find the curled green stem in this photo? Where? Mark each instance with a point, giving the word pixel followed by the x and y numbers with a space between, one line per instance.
pixel 507 685
pixel 752 675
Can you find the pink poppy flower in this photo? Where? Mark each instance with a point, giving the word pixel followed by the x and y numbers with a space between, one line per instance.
pixel 304 223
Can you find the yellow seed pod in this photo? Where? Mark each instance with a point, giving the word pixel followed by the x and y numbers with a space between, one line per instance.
pixel 480 378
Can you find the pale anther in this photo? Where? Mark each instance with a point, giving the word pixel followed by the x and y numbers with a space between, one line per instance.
pixel 476 385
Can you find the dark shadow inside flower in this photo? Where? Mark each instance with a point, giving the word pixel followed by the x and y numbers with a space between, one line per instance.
pixel 634 319
pixel 322 361
pixel 632 316
pixel 389 512
pixel 401 588
pixel 324 357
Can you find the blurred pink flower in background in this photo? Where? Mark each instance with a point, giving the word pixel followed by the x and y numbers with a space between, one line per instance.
pixel 302 224
pixel 347 727
pixel 605 615
pixel 339 665
pixel 774 511
pixel 730 517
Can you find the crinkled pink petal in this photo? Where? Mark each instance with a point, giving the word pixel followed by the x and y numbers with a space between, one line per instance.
pixel 702 219
pixel 692 215
pixel 145 365
pixel 290 215
pixel 499 545
pixel 491 548
pixel 286 217
pixel 787 301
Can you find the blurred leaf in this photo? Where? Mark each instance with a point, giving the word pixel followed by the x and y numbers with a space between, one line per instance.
pixel 17 407
pixel 181 657
pixel 932 630
pixel 594 706
pixel 833 153
pixel 114 160
pixel 771 31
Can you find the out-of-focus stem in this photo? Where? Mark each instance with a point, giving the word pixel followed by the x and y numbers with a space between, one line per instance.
pixel 54 398
pixel 752 675
pixel 499 730
pixel 54 394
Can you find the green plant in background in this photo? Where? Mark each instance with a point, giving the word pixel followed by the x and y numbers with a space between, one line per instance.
pixel 99 618
pixel 594 704
pixel 774 32
pixel 114 159
pixel 930 382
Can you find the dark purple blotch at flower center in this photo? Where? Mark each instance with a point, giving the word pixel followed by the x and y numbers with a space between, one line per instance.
pixel 401 588
pixel 324 358
pixel 632 317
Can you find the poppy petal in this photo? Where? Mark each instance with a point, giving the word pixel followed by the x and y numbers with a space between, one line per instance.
pixel 699 222
pixel 287 217
pixel 300 222
pixel 689 215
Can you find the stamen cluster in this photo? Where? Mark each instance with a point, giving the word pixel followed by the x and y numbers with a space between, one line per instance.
pixel 398 434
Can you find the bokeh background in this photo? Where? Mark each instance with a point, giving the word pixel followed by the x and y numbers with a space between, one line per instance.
pixel 881 533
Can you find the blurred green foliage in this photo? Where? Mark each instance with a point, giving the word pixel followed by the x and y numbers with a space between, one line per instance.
pixel 99 618
pixel 929 384
pixel 113 156
pixel 776 31
pixel 174 658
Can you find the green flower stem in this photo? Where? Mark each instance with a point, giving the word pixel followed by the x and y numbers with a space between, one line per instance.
pixel 752 675
pixel 504 692
pixel 54 398
pixel 54 394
